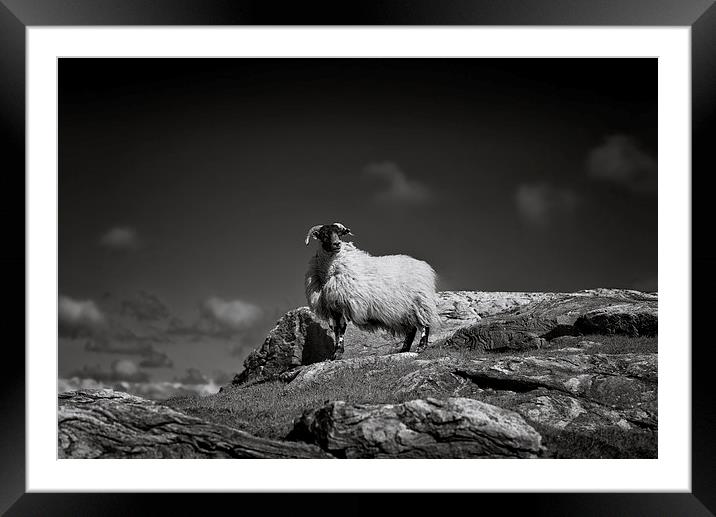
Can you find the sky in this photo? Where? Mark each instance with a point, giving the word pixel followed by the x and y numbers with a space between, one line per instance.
pixel 187 186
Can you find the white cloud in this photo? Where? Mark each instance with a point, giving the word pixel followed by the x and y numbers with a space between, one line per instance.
pixel 78 318
pixel 124 368
pixel 621 161
pixel 541 204
pixel 396 187
pixel 120 238
pixel 231 315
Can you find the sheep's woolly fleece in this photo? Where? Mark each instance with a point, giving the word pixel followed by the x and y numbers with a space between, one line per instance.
pixel 395 293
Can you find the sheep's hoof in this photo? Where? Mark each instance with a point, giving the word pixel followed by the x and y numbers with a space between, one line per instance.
pixel 338 354
pixel 404 349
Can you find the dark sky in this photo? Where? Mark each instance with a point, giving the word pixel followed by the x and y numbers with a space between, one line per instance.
pixel 186 186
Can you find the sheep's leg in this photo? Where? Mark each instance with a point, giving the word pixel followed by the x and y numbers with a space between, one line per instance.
pixel 339 330
pixel 409 337
pixel 424 338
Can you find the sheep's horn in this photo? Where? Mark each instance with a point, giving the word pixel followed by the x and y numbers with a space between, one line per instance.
pixel 310 232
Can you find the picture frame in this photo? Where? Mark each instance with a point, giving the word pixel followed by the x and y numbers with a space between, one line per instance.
pixel 16 16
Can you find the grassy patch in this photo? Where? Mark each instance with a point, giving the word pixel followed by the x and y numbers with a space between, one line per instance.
pixel 269 409
pixel 600 443
pixel 619 344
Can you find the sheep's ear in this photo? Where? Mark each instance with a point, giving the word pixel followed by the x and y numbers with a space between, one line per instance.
pixel 343 229
pixel 313 232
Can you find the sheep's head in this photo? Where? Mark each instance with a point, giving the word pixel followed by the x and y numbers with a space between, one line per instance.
pixel 329 235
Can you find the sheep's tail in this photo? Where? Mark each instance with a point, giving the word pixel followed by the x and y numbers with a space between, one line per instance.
pixel 426 308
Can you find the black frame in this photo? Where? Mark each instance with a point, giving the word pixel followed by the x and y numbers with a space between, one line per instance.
pixel 700 15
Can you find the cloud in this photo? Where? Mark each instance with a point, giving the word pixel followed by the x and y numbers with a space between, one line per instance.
pixel 120 238
pixel 128 328
pixel 542 204
pixel 224 316
pixel 151 357
pixel 621 161
pixel 126 369
pixel 221 319
pixel 120 370
pixel 395 186
pixel 145 306
pixel 78 318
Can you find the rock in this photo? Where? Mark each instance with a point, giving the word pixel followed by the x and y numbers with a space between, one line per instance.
pixel 576 392
pixel 297 339
pixel 431 428
pixel 321 373
pixel 620 319
pixel 564 412
pixel 434 378
pixel 487 321
pixel 614 380
pixel 496 336
pixel 474 305
pixel 531 326
pixel 111 424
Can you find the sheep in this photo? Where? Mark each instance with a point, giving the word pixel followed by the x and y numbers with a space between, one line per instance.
pixel 395 293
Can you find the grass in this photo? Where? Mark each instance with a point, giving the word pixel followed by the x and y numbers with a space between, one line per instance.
pixel 619 344
pixel 600 443
pixel 269 409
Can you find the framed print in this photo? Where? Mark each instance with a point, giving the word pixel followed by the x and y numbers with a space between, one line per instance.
pixel 403 249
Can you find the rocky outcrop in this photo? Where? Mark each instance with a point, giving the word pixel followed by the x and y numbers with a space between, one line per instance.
pixel 474 320
pixel 562 412
pixel 531 326
pixel 620 380
pixel 507 375
pixel 297 339
pixel 575 391
pixel 110 424
pixel 630 319
pixel 430 428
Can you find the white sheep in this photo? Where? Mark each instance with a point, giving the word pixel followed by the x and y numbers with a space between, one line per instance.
pixel 395 293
